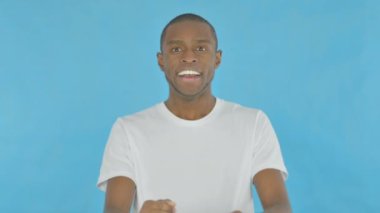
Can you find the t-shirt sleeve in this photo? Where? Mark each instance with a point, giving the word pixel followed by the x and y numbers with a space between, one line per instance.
pixel 266 149
pixel 117 157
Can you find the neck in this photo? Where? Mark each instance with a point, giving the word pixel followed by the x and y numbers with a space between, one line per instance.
pixel 191 109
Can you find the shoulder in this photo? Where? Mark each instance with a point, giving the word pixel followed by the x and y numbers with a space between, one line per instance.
pixel 236 109
pixel 243 114
pixel 140 118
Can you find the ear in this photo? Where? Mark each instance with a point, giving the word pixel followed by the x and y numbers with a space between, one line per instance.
pixel 218 58
pixel 160 60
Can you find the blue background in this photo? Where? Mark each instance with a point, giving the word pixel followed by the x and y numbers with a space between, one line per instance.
pixel 69 68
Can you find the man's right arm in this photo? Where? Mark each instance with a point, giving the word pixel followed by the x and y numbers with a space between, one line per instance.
pixel 119 195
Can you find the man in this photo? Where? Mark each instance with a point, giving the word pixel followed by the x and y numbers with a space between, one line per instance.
pixel 193 152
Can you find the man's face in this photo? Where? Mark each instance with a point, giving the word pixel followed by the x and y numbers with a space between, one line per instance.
pixel 189 58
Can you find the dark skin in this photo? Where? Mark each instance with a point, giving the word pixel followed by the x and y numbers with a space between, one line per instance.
pixel 190 45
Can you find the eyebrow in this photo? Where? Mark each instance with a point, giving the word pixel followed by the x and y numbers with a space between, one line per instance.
pixel 197 40
pixel 174 42
pixel 203 41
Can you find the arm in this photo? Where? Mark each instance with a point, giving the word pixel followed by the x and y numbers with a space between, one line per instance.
pixel 119 195
pixel 272 191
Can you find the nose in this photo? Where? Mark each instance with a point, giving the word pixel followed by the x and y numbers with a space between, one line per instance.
pixel 189 57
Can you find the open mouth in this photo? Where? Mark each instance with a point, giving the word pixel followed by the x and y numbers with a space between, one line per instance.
pixel 189 75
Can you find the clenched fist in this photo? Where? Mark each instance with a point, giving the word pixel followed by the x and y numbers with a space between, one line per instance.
pixel 159 206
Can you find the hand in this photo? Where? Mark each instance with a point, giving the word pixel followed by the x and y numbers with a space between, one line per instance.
pixel 158 206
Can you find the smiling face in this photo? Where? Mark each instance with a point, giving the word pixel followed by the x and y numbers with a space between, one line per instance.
pixel 189 59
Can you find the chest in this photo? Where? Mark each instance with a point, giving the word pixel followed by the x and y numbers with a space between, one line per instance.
pixel 193 147
pixel 205 162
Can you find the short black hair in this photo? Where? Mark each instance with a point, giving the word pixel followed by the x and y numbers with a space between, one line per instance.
pixel 188 17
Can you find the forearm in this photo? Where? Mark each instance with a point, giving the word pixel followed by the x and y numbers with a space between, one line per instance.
pixel 278 208
pixel 114 210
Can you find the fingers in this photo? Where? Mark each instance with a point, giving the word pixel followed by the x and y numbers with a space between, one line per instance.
pixel 159 206
pixel 165 205
pixel 162 206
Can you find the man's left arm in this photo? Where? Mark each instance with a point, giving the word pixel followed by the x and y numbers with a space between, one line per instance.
pixel 271 189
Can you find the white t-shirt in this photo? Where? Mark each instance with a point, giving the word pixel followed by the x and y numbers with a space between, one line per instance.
pixel 204 165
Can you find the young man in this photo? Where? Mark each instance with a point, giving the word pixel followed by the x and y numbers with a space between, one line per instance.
pixel 194 152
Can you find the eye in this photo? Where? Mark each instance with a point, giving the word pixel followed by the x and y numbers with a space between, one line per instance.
pixel 176 49
pixel 201 49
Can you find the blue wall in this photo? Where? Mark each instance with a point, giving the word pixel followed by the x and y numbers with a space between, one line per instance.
pixel 69 68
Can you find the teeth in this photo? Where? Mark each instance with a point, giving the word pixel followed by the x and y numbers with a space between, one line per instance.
pixel 188 72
